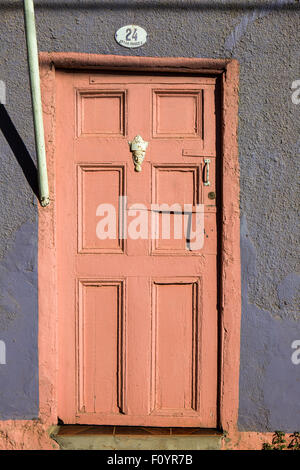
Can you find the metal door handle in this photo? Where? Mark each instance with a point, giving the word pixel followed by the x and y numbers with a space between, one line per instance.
pixel 206 181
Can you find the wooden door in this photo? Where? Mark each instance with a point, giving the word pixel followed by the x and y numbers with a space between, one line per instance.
pixel 138 315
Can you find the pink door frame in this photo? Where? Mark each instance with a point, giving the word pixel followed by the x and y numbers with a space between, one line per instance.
pixel 229 246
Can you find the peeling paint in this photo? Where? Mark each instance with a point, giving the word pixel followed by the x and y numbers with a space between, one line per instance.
pixel 288 291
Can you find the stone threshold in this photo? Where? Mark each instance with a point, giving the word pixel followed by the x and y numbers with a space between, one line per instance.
pixel 81 437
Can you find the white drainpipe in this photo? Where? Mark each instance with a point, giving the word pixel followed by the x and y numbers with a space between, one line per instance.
pixel 33 63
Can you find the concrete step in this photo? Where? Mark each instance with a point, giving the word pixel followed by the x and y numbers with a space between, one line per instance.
pixel 125 438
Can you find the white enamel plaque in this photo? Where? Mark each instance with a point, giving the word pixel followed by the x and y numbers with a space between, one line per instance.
pixel 131 36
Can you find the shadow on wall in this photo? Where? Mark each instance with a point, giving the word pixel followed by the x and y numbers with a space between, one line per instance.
pixel 19 149
pixel 193 5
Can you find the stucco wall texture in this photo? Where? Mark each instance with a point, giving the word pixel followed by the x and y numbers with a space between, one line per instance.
pixel 264 37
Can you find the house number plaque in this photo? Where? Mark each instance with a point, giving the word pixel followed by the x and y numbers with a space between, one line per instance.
pixel 131 36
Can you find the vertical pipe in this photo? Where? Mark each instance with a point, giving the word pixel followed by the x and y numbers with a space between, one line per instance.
pixel 33 63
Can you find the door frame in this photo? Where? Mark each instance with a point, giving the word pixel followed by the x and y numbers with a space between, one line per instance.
pixel 229 278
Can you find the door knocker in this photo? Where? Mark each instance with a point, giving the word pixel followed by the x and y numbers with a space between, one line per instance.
pixel 138 148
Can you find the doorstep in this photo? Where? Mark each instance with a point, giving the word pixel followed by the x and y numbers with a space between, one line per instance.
pixel 79 437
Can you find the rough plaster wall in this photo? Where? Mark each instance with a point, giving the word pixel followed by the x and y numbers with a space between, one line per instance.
pixel 265 41
pixel 18 230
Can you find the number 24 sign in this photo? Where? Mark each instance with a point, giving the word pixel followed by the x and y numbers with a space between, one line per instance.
pixel 131 36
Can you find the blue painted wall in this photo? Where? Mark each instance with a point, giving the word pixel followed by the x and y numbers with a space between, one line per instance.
pixel 265 40
pixel 19 324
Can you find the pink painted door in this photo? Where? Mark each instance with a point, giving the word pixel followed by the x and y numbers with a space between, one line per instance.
pixel 138 321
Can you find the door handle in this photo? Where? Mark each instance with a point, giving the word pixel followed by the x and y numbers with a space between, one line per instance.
pixel 206 181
